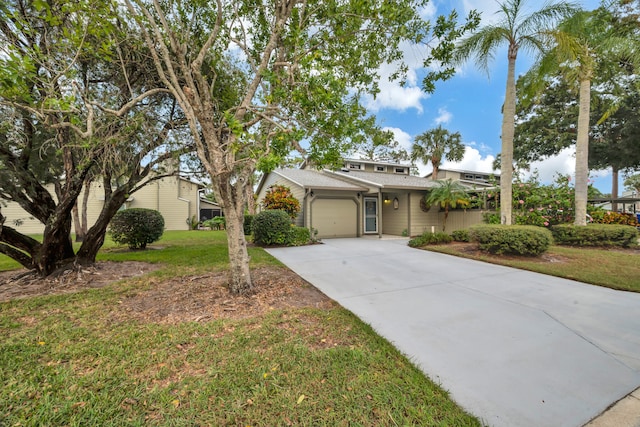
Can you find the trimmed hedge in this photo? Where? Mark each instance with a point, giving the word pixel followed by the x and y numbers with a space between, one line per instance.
pixel 248 221
pixel 595 235
pixel 136 227
pixel 461 235
pixel 525 240
pixel 271 227
pixel 429 238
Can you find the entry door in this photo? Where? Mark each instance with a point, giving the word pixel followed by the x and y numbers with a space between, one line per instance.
pixel 370 215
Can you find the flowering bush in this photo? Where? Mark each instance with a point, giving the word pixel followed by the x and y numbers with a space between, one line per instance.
pixel 542 205
pixel 280 198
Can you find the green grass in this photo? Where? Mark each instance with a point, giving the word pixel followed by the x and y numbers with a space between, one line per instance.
pixel 611 268
pixel 65 360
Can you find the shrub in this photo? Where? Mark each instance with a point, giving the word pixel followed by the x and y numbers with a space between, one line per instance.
pixel 608 217
pixel 461 236
pixel 279 197
pixel 136 227
pixel 248 221
pixel 595 235
pixel 512 239
pixel 271 227
pixel 299 236
pixel 428 238
pixel 215 223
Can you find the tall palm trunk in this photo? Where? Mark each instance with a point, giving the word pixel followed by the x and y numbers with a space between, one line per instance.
pixel 582 153
pixel 508 130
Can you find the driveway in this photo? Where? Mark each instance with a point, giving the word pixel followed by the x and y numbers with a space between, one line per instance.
pixel 514 348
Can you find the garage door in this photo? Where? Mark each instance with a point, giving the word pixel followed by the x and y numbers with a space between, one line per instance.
pixel 335 217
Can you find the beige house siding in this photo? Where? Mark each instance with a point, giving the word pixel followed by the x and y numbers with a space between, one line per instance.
pixel 395 221
pixel 460 219
pixel 422 221
pixel 175 198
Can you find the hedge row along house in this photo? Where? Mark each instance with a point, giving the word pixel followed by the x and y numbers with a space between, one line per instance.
pixel 368 198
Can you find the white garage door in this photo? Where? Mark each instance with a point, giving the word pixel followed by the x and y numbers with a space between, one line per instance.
pixel 335 217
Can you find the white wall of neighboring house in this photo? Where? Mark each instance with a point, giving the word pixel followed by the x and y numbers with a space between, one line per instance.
pixel 174 197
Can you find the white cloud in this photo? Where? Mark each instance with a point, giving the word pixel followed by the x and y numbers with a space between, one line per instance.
pixel 472 161
pixel 394 96
pixel 444 116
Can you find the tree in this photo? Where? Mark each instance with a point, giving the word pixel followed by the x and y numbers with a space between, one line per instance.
pixel 253 79
pixel 436 144
pixel 55 57
pixel 447 195
pixel 633 183
pixel 519 31
pixel 584 44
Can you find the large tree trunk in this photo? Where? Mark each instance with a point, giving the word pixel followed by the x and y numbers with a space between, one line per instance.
pixel 508 130
pixel 582 154
pixel 233 203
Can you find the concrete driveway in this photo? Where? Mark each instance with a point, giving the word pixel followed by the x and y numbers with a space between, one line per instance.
pixel 514 348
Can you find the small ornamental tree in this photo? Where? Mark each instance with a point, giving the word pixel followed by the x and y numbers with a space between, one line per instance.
pixel 280 197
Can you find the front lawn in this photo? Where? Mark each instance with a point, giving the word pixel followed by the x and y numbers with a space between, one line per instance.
pixel 88 358
pixel 612 268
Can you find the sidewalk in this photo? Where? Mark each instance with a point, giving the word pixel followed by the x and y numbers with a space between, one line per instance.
pixel 513 347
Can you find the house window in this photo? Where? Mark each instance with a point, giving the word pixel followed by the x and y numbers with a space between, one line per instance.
pixel 380 168
pixel 400 170
pixel 468 176
pixel 354 166
pixel 479 178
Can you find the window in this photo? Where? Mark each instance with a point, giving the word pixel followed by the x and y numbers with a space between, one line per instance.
pixel 400 170
pixel 354 166
pixel 468 176
pixel 380 168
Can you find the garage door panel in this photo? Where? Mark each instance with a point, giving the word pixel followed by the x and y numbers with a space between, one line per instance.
pixel 335 217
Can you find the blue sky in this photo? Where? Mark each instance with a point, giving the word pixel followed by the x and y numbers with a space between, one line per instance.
pixel 468 103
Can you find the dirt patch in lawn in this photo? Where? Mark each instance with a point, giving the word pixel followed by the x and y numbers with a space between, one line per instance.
pixel 197 298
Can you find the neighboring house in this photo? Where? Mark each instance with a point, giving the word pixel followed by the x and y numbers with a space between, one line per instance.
pixel 176 198
pixel 472 179
pixel 363 198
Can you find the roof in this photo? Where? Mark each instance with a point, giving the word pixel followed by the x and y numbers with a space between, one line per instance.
pixel 496 174
pixel 307 178
pixel 387 180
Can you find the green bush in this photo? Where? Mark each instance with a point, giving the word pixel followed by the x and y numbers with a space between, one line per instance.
pixel 299 236
pixel 595 235
pixel 428 238
pixel 216 223
pixel 271 227
pixel 512 239
pixel 461 236
pixel 136 227
pixel 248 221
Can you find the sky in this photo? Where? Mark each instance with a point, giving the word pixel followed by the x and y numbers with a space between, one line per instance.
pixel 469 103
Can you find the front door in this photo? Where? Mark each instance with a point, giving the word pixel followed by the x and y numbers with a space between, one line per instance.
pixel 370 215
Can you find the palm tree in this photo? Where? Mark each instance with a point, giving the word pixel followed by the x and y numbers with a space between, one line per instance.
pixel 519 31
pixel 580 42
pixel 448 194
pixel 433 145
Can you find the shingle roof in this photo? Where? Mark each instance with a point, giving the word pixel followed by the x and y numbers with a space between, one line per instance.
pixel 387 180
pixel 307 178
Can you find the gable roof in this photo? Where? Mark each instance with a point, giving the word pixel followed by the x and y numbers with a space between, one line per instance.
pixel 386 180
pixel 307 178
